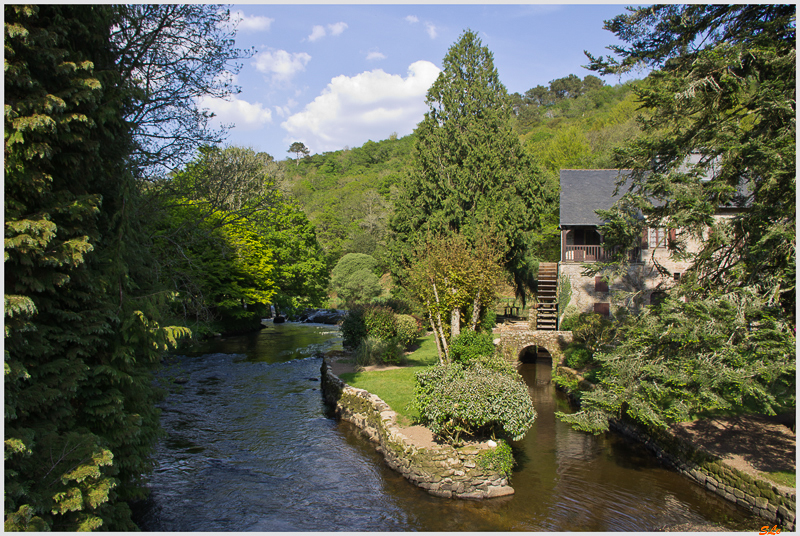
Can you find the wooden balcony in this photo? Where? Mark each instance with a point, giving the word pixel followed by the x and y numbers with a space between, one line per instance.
pixel 594 254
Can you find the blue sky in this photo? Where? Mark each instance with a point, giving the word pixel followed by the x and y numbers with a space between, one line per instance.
pixel 335 76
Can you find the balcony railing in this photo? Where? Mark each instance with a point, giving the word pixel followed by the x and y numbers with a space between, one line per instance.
pixel 594 254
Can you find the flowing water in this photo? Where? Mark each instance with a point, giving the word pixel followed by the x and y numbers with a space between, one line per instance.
pixel 248 447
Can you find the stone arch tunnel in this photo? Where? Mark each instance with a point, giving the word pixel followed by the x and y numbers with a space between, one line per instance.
pixel 513 341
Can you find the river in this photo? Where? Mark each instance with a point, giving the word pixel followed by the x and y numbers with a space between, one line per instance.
pixel 249 447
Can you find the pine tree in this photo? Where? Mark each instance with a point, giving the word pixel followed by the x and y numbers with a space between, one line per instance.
pixel 470 174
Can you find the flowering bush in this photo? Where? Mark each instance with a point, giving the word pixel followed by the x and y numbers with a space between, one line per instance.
pixel 452 400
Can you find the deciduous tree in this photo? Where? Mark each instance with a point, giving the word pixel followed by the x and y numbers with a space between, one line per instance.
pixel 453 279
pixel 173 56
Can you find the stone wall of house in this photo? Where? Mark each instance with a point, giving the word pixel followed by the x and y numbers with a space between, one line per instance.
pixel 442 470
pixel 639 277
pixel 632 291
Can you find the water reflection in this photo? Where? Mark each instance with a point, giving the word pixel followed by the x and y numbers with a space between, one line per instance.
pixel 249 448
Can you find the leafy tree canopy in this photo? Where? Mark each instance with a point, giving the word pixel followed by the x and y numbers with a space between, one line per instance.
pixel 355 278
pixel 299 148
pixel 228 239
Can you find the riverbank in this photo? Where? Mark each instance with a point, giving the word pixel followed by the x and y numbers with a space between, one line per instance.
pixel 730 456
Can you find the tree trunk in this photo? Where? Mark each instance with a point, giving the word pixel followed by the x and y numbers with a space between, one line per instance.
pixel 476 311
pixel 455 315
pixel 440 335
pixel 435 332
pixel 455 323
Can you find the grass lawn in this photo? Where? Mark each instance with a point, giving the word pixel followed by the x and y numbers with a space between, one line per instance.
pixel 396 386
pixel 786 478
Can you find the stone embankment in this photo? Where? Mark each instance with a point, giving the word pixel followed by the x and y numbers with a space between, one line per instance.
pixel 442 470
pixel 773 503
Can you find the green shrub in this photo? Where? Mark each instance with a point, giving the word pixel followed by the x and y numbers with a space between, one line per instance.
pixel 495 362
pixel 373 351
pixel 488 321
pixel 380 321
pixel 569 322
pixel 593 330
pixel 500 459
pixel 470 345
pixel 399 306
pixel 353 328
pixel 567 383
pixel 408 329
pixel 452 400
pixel 364 321
pixel 593 375
pixel 577 356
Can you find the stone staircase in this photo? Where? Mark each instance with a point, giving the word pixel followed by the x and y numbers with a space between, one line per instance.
pixel 547 307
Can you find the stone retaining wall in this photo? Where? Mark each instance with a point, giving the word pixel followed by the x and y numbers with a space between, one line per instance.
pixel 442 470
pixel 760 496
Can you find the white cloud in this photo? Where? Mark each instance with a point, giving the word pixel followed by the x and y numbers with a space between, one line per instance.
pixel 431 29
pixel 370 105
pixel 285 111
pixel 244 115
pixel 337 28
pixel 375 55
pixel 317 32
pixel 412 19
pixel 251 24
pixel 281 65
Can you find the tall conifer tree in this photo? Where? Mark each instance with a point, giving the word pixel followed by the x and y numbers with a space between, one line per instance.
pixel 470 174
pixel 80 416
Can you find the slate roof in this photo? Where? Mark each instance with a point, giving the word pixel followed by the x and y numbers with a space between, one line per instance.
pixel 585 190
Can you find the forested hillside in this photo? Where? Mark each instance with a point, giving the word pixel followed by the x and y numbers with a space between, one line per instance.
pixel 349 195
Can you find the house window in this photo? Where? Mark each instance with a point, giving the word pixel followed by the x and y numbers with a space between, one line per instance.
pixel 600 285
pixel 658 297
pixel 657 237
pixel 677 277
pixel 602 309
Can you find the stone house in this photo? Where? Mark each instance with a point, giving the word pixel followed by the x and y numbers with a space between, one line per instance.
pixel 583 192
